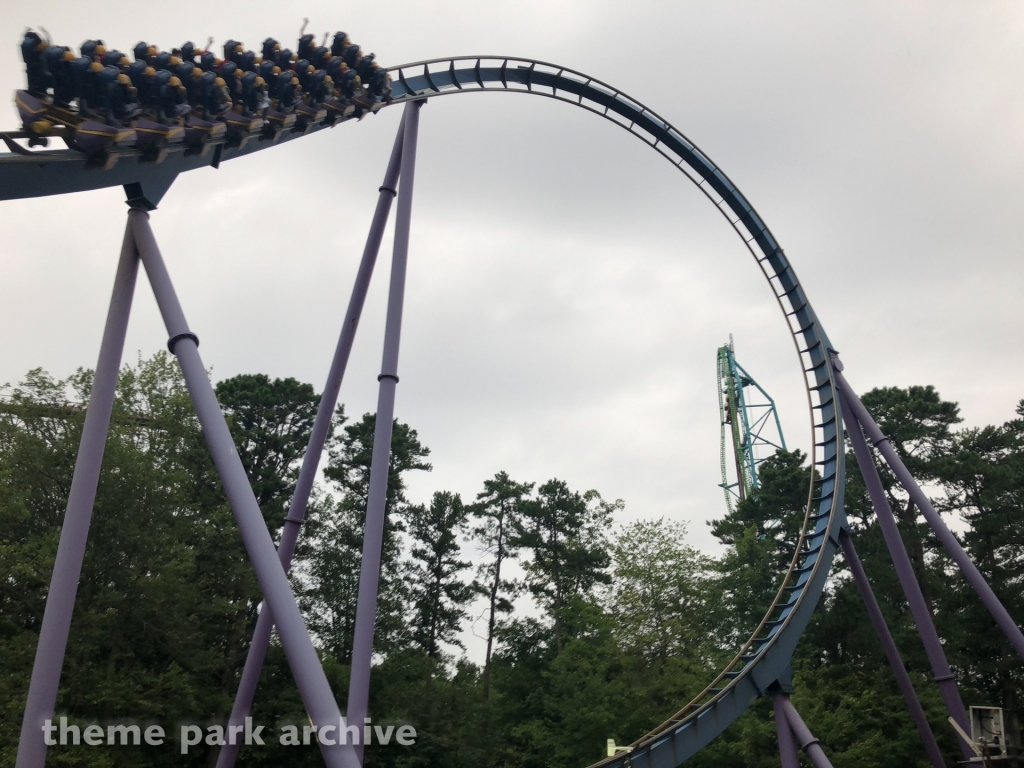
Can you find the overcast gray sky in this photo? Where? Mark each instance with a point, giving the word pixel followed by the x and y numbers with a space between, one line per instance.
pixel 567 287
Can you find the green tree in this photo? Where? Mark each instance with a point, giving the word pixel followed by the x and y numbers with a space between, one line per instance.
pixel 270 421
pixel 333 555
pixel 664 594
pixel 565 532
pixel 497 512
pixel 774 509
pixel 166 599
pixel 918 423
pixel 840 659
pixel 633 625
pixel 439 595
pixel 985 484
pixel 351 454
pixel 762 534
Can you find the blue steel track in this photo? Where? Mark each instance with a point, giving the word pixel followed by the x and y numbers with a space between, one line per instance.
pixel 764 658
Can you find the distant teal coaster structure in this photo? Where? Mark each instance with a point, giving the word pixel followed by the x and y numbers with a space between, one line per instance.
pixel 750 426
pixel 760 666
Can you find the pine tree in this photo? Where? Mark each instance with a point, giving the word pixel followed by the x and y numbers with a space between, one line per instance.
pixel 439 596
pixel 565 532
pixel 761 533
pixel 917 422
pixel 270 421
pixel 985 485
pixel 335 537
pixel 497 512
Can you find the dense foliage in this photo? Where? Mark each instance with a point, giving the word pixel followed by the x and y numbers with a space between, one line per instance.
pixel 628 621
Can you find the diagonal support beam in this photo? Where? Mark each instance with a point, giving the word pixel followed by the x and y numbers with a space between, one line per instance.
pixel 302 657
pixel 892 653
pixel 803 734
pixel 311 461
pixel 67 568
pixel 373 531
pixel 787 741
pixel 904 570
pixel 949 541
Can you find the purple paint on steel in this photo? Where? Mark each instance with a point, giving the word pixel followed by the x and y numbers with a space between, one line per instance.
pixel 803 734
pixel 787 744
pixel 311 461
pixel 949 542
pixel 891 651
pixel 373 531
pixel 67 567
pixel 901 560
pixel 302 658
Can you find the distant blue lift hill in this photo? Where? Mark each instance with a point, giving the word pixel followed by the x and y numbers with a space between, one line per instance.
pixel 751 431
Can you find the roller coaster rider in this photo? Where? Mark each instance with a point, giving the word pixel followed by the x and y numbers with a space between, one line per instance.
pixel 121 97
pixel 62 76
pixel 270 49
pixel 88 88
pixel 214 97
pixel 320 56
pixel 191 78
pixel 187 53
pixel 207 61
pixel 304 50
pixel 144 53
pixel 340 43
pixel 191 87
pixel 304 71
pixel 33 53
pixel 254 99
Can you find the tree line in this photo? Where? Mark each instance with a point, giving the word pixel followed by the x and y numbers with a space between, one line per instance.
pixel 629 620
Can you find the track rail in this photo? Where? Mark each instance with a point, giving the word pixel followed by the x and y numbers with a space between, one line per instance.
pixel 764 657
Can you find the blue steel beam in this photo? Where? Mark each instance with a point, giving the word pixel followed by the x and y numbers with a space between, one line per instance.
pixel 763 658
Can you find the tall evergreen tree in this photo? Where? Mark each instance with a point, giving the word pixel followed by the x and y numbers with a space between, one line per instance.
pixel 439 595
pixel 497 512
pixel 566 534
pixel 762 534
pixel 351 455
pixel 775 510
pixel 918 423
pixel 985 485
pixel 270 421
pixel 334 551
pixel 331 555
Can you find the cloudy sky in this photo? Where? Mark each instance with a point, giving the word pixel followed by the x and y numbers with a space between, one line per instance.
pixel 567 287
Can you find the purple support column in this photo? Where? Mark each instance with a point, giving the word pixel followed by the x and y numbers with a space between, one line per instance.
pixel 373 530
pixel 321 426
pixel 949 542
pixel 67 567
pixel 787 746
pixel 803 734
pixel 302 658
pixel 901 560
pixel 891 652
